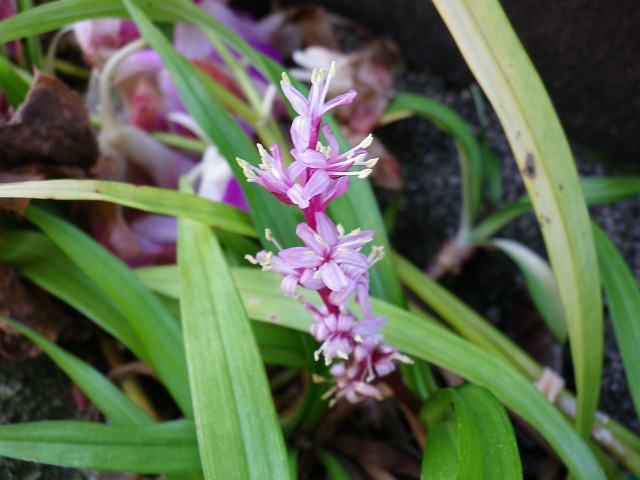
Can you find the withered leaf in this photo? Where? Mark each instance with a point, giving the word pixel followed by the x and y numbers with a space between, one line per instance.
pixel 51 129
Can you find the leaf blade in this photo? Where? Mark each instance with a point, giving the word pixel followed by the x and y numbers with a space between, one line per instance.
pixel 501 66
pixel 148 199
pixel 233 408
pixel 161 448
pixel 156 329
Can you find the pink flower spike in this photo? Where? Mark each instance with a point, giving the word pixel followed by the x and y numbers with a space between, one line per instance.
pixel 336 333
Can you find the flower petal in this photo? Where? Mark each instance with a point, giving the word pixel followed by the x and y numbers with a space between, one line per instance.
pixel 326 228
pixel 333 276
pixel 300 257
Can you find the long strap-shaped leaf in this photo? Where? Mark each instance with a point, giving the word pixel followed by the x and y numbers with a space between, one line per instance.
pixel 501 66
pixel 238 432
pixel 162 448
pixel 42 262
pixel 623 297
pixel 485 445
pixel 157 331
pixel 263 300
pixel 148 199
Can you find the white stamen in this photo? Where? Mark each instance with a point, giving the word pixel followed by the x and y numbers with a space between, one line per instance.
pixel 318 238
pixel 251 259
pixel 360 174
pixel 340 230
pixel 318 75
pixel 372 162
pixel 268 235
pixel 365 173
pixel 264 156
pixel 366 143
pixel 246 168
pixel 286 80
pixel 332 69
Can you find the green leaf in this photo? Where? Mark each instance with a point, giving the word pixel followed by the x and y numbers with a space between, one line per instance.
pixel 333 466
pixel 429 341
pixel 160 448
pixel 148 199
pixel 442 455
pixel 13 84
pixel 599 190
pixel 33 48
pixel 110 400
pixel 234 411
pixel 264 301
pixel 623 297
pixel 469 149
pixel 278 345
pixel 281 346
pixel 505 73
pixel 540 283
pixel 596 191
pixel 156 329
pixel 481 443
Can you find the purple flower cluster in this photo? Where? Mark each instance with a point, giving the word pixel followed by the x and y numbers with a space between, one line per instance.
pixel 330 262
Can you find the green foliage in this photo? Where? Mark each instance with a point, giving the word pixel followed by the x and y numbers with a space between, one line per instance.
pixel 477 443
pixel 233 408
pixel 167 447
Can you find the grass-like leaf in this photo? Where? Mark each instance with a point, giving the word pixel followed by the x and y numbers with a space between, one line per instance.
pixel 238 431
pixel 264 301
pixel 623 298
pixel 12 83
pixel 505 73
pixel 403 104
pixel 160 448
pixel 157 330
pixel 148 199
pixel 540 283
pixel 483 444
pixel 333 466
pixel 596 191
pixel 109 399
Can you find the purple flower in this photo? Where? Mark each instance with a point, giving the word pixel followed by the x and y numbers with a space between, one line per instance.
pixel 280 181
pixel 328 249
pixel 313 108
pixel 371 359
pixel 336 332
